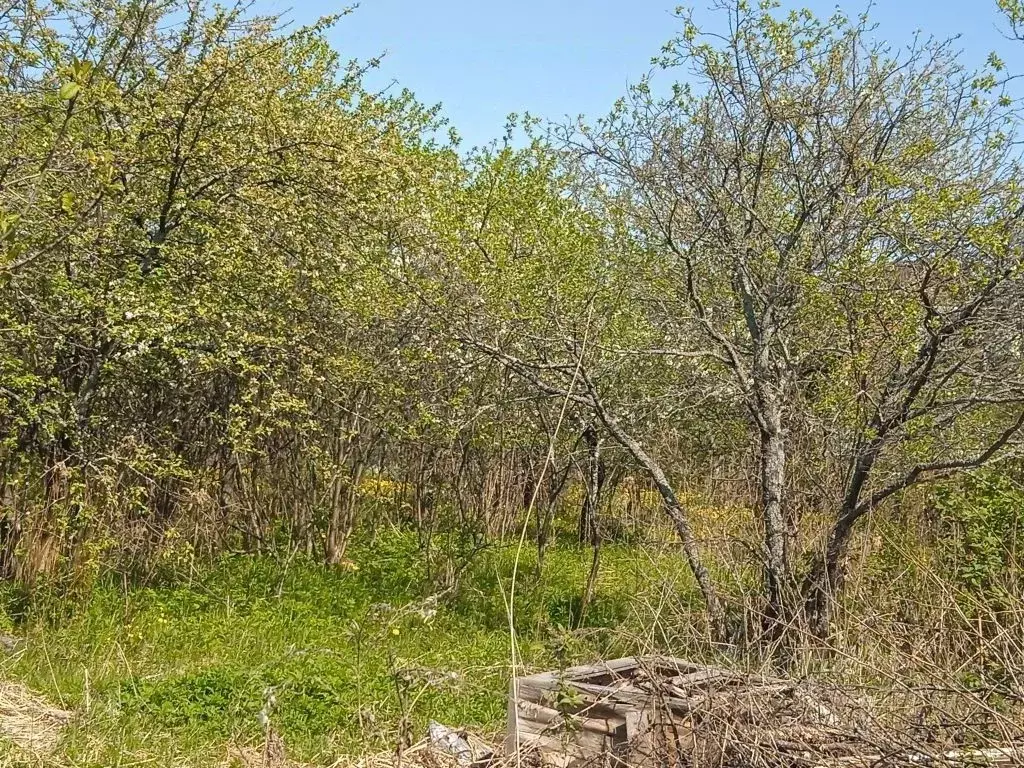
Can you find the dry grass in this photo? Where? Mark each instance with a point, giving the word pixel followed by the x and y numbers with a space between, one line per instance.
pixel 28 721
pixel 747 722
pixel 423 754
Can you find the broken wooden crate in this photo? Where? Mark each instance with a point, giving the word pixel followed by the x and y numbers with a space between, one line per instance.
pixel 657 711
pixel 584 712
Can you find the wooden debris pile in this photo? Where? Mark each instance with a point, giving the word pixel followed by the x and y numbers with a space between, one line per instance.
pixel 668 712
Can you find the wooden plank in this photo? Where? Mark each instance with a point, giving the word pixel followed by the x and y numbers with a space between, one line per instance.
pixel 614 668
pixel 639 736
pixel 583 741
pixel 606 669
pixel 635 698
pixel 528 710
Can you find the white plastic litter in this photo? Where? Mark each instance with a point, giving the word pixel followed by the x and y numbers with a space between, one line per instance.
pixel 447 740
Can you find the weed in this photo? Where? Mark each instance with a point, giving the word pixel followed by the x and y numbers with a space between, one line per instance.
pixel 170 672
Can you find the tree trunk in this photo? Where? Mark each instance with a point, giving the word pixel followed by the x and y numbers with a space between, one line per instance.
pixel 594 471
pixel 776 546
pixel 680 520
pixel 342 515
pixel 590 531
pixel 10 533
pixel 546 512
pixel 824 577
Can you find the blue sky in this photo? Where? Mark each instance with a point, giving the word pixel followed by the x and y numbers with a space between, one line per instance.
pixel 484 59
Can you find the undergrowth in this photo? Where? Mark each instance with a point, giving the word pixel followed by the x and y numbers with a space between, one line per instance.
pixel 356 659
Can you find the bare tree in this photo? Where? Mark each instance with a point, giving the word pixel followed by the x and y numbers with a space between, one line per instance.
pixel 807 196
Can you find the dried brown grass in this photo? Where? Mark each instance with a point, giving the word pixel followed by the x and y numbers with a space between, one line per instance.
pixel 28 721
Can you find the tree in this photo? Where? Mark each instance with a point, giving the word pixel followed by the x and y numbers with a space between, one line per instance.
pixel 534 280
pixel 196 211
pixel 827 214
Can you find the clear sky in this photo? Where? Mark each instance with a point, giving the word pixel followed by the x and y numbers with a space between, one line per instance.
pixel 482 59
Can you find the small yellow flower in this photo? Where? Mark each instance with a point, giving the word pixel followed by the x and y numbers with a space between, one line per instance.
pixel 394 630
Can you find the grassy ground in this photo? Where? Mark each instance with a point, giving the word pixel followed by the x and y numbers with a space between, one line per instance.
pixel 169 674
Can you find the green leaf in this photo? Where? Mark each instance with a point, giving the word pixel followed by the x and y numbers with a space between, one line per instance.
pixel 68 91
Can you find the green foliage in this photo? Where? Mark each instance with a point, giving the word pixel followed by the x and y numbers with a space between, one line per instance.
pixel 195 244
pixel 174 671
pixel 248 306
pixel 203 698
pixel 984 515
pixel 552 605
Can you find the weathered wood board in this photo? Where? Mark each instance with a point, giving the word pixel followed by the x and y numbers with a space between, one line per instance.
pixel 584 712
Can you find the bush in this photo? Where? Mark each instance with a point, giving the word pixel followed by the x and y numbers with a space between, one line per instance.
pixel 982 516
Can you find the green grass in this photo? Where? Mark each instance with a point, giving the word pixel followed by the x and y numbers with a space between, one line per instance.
pixel 171 673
